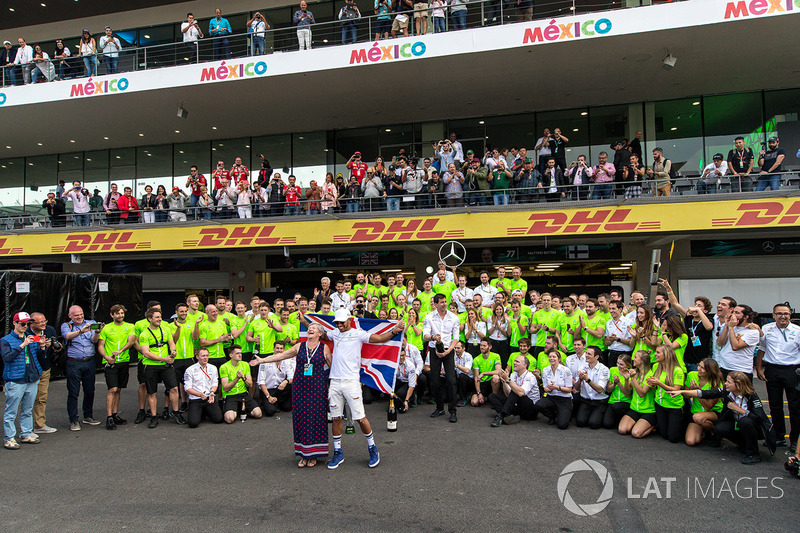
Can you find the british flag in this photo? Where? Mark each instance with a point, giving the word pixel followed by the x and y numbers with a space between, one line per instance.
pixel 378 361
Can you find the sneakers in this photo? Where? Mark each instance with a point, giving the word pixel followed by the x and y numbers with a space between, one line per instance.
pixel 74 426
pixel 184 407
pixel 45 429
pixel 462 402
pixel 153 422
pixel 165 413
pixel 118 420
pixel 91 421
pixel 498 421
pixel 453 418
pixel 338 458
pixel 33 438
pixel 140 417
pixel 177 418
pixel 11 444
pixel 110 424
pixel 374 456
pixel 511 419
pixel 778 443
pixel 751 460
pixel 437 413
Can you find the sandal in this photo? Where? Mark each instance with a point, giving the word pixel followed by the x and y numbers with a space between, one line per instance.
pixel 311 463
pixel 302 463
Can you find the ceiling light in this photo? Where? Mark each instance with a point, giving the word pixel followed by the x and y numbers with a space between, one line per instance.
pixel 387 130
pixel 146 36
pixel 180 151
pixel 544 270
pixel 141 135
pixel 626 264
pixel 576 129
pixel 481 122
pixel 177 131
pixel 669 61
pixel 619 268
pixel 324 40
pixel 695 103
pixel 584 113
pixel 11 9
pixel 88 158
pixel 106 138
pixel 39 144
pixel 213 127
pixel 72 140
pixel 118 157
pixel 43 5
pixel 8 147
pixel 673 129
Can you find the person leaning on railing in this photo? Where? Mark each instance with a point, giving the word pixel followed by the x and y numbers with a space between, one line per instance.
pixel 660 171
pixel 56 210
pixel 129 207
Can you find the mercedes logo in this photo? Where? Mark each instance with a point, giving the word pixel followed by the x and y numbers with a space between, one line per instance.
pixel 768 246
pixel 452 254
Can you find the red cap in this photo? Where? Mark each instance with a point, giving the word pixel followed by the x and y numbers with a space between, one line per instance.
pixel 22 317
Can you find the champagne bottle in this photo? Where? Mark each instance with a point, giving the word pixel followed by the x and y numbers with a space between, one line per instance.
pixel 243 414
pixel 391 416
pixel 350 428
pixel 440 347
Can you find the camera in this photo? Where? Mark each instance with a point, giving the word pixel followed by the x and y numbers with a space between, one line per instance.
pixel 793 467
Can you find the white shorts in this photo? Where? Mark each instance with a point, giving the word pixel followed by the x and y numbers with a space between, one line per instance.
pixel 349 390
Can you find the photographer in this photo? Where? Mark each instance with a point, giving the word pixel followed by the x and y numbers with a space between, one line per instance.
pixel 49 346
pixel 372 189
pixel 275 195
pixel 384 22
pixel 349 15
pixel 357 167
pixel 352 195
pixel 265 173
pixel 191 34
pixel 360 309
pixel 258 26
pixel 177 205
pixel 578 174
pixel 633 176
pixel 303 19
pixel 527 181
pixel 56 210
pixel 195 181
pixel 477 182
pixel 80 203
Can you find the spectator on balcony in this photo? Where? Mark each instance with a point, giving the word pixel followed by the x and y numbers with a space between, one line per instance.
pixel 438 6
pixel 265 173
pixel 195 181
pixel 352 195
pixel 239 173
pixel 433 191
pixel 258 26
pixel 524 10
pixel 56 210
pixel 60 63
pixel 96 201
pixel 225 197
pixel 24 59
pixel 111 47
pixel 244 199
pixel 177 205
pixel 527 180
pixel 349 15
pixel 313 198
pixel 458 14
pixel 148 205
pixel 635 145
pixel 357 166
pixel 303 19
pixel 443 154
pixel 454 186
pixel 770 161
pixel 501 179
pixel 558 146
pixel 341 191
pixel 128 207
pixel 205 204
pixel 740 163
pixel 477 180
pixel 660 171
pixel 43 65
pixel 579 174
pixel 291 196
pixel 553 181
pixel 330 193
pixel 383 24
pixel 191 34
pixel 372 189
pixel 403 9
pixel 413 182
pixel 110 205
pixel 275 195
pixel 260 201
pixel 7 56
pixel 88 49
pixel 633 176
pixel 709 179
pixel 603 177
pixel 219 174
pixel 80 203
pixel 492 159
pixel 162 204
pixel 394 185
pixel 219 28
pixel 622 158
pixel 421 18
pixel 543 149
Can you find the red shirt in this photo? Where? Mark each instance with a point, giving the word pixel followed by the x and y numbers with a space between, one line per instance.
pixel 199 180
pixel 124 203
pixel 358 169
pixel 292 195
pixel 241 173
pixel 218 175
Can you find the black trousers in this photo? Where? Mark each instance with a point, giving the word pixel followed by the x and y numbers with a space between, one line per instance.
pixel 725 373
pixel 422 384
pixel 284 402
pixel 401 390
pixel 198 408
pixel 782 379
pixel 670 423
pixel 746 435
pixel 613 355
pixel 614 414
pixel 434 384
pixel 556 408
pixel 502 349
pixel 465 386
pixel 513 404
pixel 591 413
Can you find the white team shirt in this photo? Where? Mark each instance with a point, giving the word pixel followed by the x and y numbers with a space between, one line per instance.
pixel 487 292
pixel 459 294
pixel 741 360
pixel 599 375
pixel 466 361
pixel 407 372
pixel 781 346
pixel 413 353
pixel 273 374
pixel 620 329
pixel 200 379
pixel 340 300
pixel 562 377
pixel 447 327
pixel 574 364
pixel 528 383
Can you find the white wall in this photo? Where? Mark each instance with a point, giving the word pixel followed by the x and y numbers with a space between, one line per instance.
pixel 759 293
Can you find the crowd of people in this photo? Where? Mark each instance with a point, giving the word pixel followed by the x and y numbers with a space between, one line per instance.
pixel 450 177
pixel 685 372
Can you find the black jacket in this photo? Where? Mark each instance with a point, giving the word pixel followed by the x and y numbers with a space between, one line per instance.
pixel 755 410
pixel 7 56
pixel 57 209
pixel 46 356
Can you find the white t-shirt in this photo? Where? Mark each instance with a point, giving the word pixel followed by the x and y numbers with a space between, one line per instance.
pixel 110 46
pixel 346 357
pixel 458 294
pixel 259 28
pixel 190 35
pixel 487 293
pixel 741 360
pixel 599 375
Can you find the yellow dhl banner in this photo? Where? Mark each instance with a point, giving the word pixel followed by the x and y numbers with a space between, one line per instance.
pixel 270 232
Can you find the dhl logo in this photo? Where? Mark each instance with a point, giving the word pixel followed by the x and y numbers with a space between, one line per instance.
pixel 588 221
pixel 103 241
pixel 403 230
pixel 8 251
pixel 237 236
pixel 761 214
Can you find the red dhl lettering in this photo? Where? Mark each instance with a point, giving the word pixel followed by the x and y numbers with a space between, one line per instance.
pixel 238 236
pixel 397 230
pixel 763 213
pixel 582 221
pixel 103 241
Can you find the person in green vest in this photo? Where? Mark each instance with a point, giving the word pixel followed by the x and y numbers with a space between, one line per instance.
pixel 668 376
pixel 518 296
pixel 704 412
pixel 524 351
pixel 414 330
pixel 262 332
pixel 158 348
pixel 425 297
pixel 483 311
pixel 673 334
pixel 619 392
pixel 113 343
pixel 550 345
pixel 644 333
pixel 568 326
pixel 361 284
pixel 486 373
pixel 443 285
pixel 236 380
pixel 593 326
pixel 602 306
pixel 501 281
pixel 640 420
pixel 212 333
pixel 184 348
pixel 289 334
pixel 138 327
pixel 544 323
pixel 516 283
pixel 294 316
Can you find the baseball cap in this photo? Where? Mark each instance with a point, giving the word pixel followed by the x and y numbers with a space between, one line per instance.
pixel 22 317
pixel 341 315
pixel 357 152
pixel 176 188
pixel 516 291
pixel 6 42
pixel 774 138
pixel 718 156
pixel 470 151
pixel 476 160
pixel 528 160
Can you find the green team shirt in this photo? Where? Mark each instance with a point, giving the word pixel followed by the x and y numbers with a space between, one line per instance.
pixel 543 360
pixel 396 292
pixel 504 282
pixel 530 357
pixel 548 319
pixel 151 339
pixel 236 322
pixel 413 339
pixel 294 319
pixel 192 318
pixel 605 315
pixel 378 290
pixel 520 284
pixel 641 345
pixel 573 322
pixel 683 340
pixel 445 288
pixel 487 364
pixel 424 299
pixel 289 333
pixel 516 332
pixel 462 319
pixel 259 329
pixel 210 331
pixel 693 382
pixel 595 323
pixel 662 397
pixel 115 337
pixel 525 310
pixel 228 370
pixel 184 346
pixel 646 403
pixel 617 395
pixel 486 313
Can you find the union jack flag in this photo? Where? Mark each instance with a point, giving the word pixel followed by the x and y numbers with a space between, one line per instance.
pixel 379 362
pixel 369 258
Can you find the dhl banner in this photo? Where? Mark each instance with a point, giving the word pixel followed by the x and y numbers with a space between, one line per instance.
pixel 271 232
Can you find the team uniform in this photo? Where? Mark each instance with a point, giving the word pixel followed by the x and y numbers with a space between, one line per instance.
pixel 156 372
pixel 114 337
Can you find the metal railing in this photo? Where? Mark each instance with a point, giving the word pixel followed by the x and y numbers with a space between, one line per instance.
pixel 284 39
pixel 402 204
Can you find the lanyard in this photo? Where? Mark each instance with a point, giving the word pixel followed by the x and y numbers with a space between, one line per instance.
pixel 694 327
pixel 203 370
pixel 615 323
pixel 783 332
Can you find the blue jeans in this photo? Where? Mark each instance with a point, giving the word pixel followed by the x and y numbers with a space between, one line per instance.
pixel 221 48
pixel 19 399
pixel 80 373
pixel 112 64
pixel 258 46
pixel 313 211
pixel 292 210
pixel 352 206
pixel 35 74
pixel 82 219
pixel 8 76
pixel 458 19
pixel 500 198
pixel 438 25
pixel 602 191
pixel 705 188
pixel 349 31
pixel 207 214
pixel 90 63
pixel 393 203
pixel 773 181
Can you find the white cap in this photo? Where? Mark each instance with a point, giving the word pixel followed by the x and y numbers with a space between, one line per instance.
pixel 341 315
pixel 516 291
